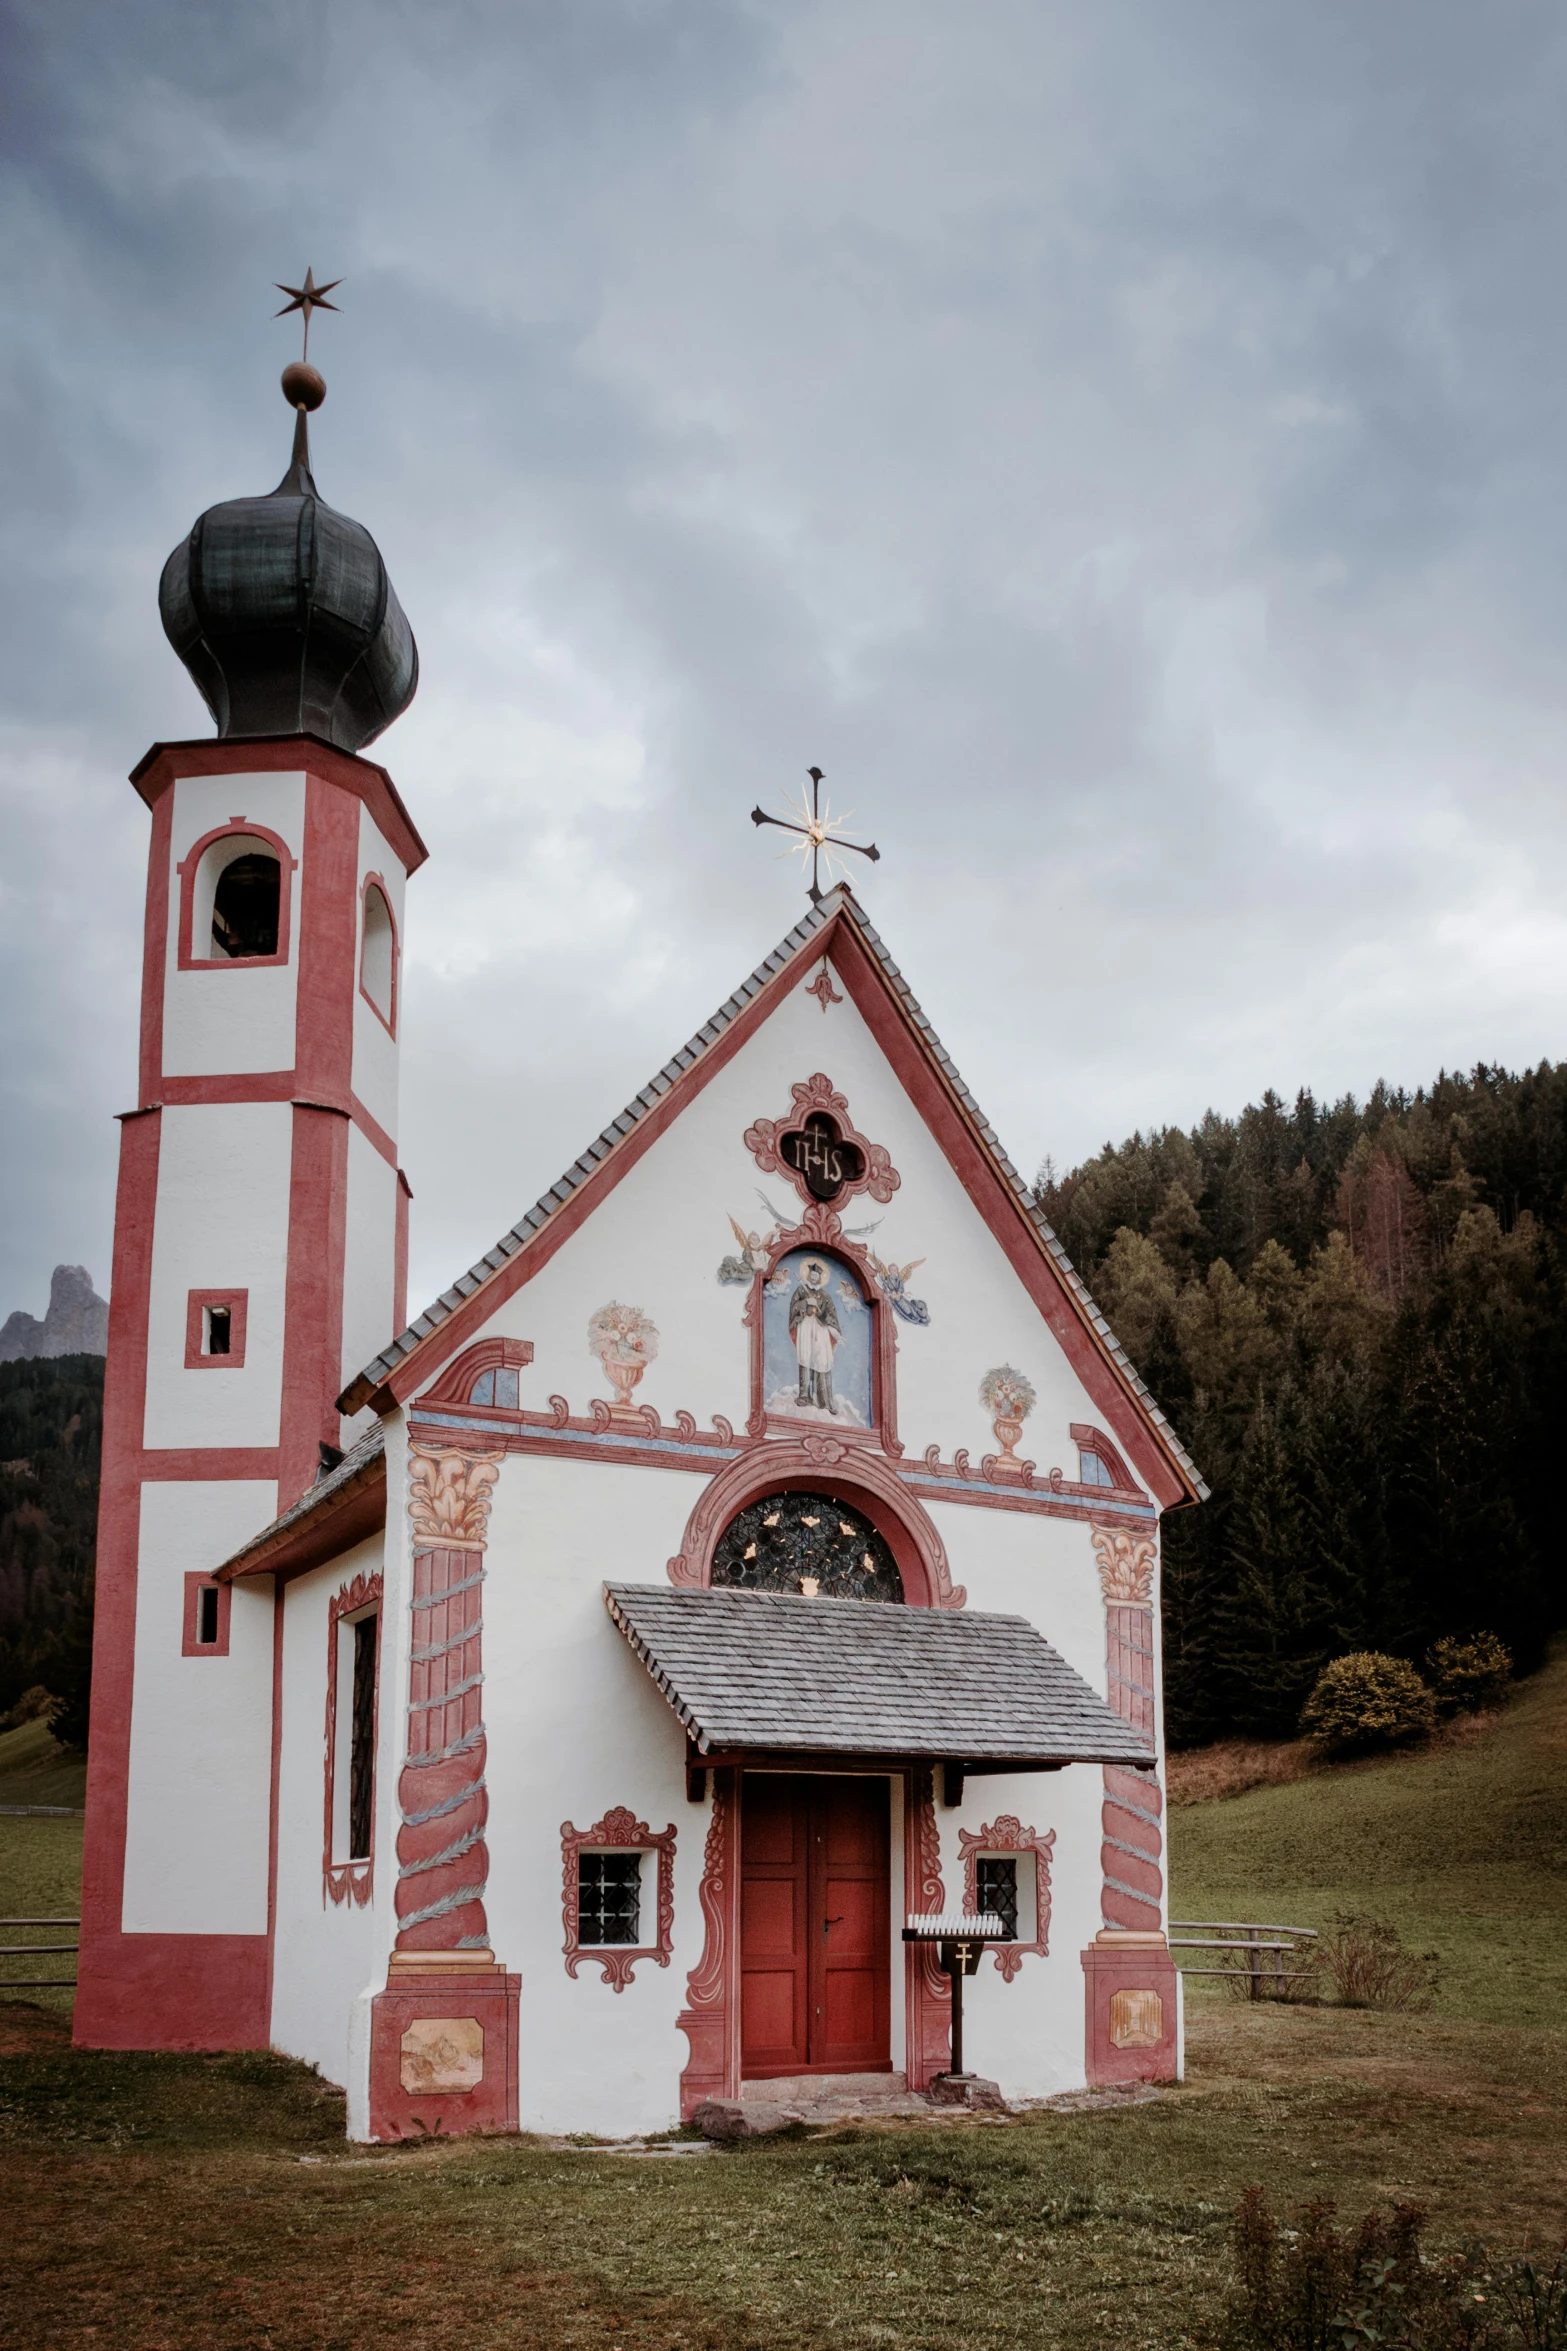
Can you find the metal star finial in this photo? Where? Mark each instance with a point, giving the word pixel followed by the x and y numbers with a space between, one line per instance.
pixel 821 835
pixel 308 297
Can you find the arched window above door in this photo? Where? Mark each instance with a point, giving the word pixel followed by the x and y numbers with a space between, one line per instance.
pixel 808 1542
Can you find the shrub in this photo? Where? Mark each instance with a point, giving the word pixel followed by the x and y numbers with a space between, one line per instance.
pixel 1365 1701
pixel 1469 1675
pixel 32 1705
pixel 1315 2287
pixel 1370 1966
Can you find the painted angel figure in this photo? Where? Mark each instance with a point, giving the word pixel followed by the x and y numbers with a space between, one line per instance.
pixel 752 1257
pixel 892 1280
pixel 815 1330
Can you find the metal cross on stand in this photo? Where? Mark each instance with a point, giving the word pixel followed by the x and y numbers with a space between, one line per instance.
pixel 961 1938
pixel 820 835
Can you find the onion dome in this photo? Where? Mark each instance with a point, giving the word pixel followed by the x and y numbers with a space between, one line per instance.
pixel 282 611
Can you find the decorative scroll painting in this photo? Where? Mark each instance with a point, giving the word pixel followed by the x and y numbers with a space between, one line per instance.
pixel 816 1333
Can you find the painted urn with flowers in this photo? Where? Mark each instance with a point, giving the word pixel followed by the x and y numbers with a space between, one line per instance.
pixel 1008 1397
pixel 625 1342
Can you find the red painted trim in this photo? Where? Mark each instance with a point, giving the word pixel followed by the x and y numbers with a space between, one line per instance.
pixel 400 1254
pixel 371 1128
pixel 1006 1834
pixel 376 881
pixel 355 1878
pixel 619 1831
pixel 154 957
pixel 286 754
pixel 237 827
pixel 488 1355
pixel 194 1646
pixel 857 1476
pixel 484 1996
pixel 710 2019
pixel 107 2012
pixel 313 1297
pixel 196 1304
pixel 927 1994
pixel 328 943
pixel 259 1085
pixel 180 1464
pixel 1145 1973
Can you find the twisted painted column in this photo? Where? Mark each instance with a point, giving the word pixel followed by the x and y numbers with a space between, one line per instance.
pixel 1132 1850
pixel 442 1860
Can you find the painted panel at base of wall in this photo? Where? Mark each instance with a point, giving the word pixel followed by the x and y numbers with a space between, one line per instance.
pixel 199 1799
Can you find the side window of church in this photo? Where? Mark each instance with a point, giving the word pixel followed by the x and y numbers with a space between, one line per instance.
pixel 609 1897
pixel 361 1753
pixel 995 1885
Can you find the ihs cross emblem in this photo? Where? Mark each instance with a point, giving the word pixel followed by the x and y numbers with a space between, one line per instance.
pixel 821 836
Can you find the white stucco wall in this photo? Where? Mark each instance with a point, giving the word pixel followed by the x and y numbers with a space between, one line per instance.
pixel 199 1791
pixel 221 1222
pixel 369 1255
pixel 327 1953
pixel 221 1017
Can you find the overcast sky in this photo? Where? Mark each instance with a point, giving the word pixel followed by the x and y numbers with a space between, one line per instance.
pixel 1122 445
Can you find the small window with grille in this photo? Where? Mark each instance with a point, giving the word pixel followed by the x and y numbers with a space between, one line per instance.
pixel 995 1888
pixel 609 1897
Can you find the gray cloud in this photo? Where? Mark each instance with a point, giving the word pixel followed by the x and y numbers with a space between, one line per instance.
pixel 1121 447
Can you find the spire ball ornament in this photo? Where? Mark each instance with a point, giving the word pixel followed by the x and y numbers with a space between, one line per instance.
pixel 304 386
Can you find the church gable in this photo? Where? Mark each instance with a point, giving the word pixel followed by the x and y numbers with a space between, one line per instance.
pixel 802 1230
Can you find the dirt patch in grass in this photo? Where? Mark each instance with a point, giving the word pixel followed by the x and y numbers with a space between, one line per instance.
pixel 170 2203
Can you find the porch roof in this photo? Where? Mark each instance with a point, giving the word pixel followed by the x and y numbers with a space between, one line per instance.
pixel 771 1670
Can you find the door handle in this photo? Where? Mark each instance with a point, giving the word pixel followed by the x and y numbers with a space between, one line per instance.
pixel 833 1922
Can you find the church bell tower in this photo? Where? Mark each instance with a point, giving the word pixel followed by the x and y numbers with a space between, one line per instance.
pixel 260 1244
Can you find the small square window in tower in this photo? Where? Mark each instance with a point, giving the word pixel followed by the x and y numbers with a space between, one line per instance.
pixel 995 1887
pixel 218 1330
pixel 609 1897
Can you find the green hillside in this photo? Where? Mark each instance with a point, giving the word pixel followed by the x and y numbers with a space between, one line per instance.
pixel 1463 1846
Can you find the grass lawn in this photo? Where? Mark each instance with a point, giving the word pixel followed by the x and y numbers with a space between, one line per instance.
pixel 40 1859
pixel 210 2204
pixel 186 2201
pixel 1463 1846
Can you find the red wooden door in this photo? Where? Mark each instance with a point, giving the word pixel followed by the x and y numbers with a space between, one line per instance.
pixel 815 1925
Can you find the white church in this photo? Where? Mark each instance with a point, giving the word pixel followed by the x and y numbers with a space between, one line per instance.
pixel 550 1712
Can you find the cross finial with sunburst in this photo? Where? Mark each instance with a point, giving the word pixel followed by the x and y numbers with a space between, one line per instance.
pixel 820 834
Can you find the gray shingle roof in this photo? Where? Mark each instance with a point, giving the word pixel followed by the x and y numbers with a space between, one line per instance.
pixel 767 1670
pixel 794 943
pixel 361 1459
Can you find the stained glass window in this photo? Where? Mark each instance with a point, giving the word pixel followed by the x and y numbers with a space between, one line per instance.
pixel 810 1543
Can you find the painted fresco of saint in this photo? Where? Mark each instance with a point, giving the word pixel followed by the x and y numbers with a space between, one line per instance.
pixel 815 1330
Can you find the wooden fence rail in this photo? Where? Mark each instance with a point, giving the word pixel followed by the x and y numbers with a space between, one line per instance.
pixel 1256 1944
pixel 37 1983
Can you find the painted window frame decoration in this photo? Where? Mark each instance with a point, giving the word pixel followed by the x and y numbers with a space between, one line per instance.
pixel 453 1391
pixel 1118 1478
pixel 387 1016
pixel 1001 1838
pixel 355 1879
pixel 189 866
pixel 197 1305
pixel 197 1582
pixel 619 1831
